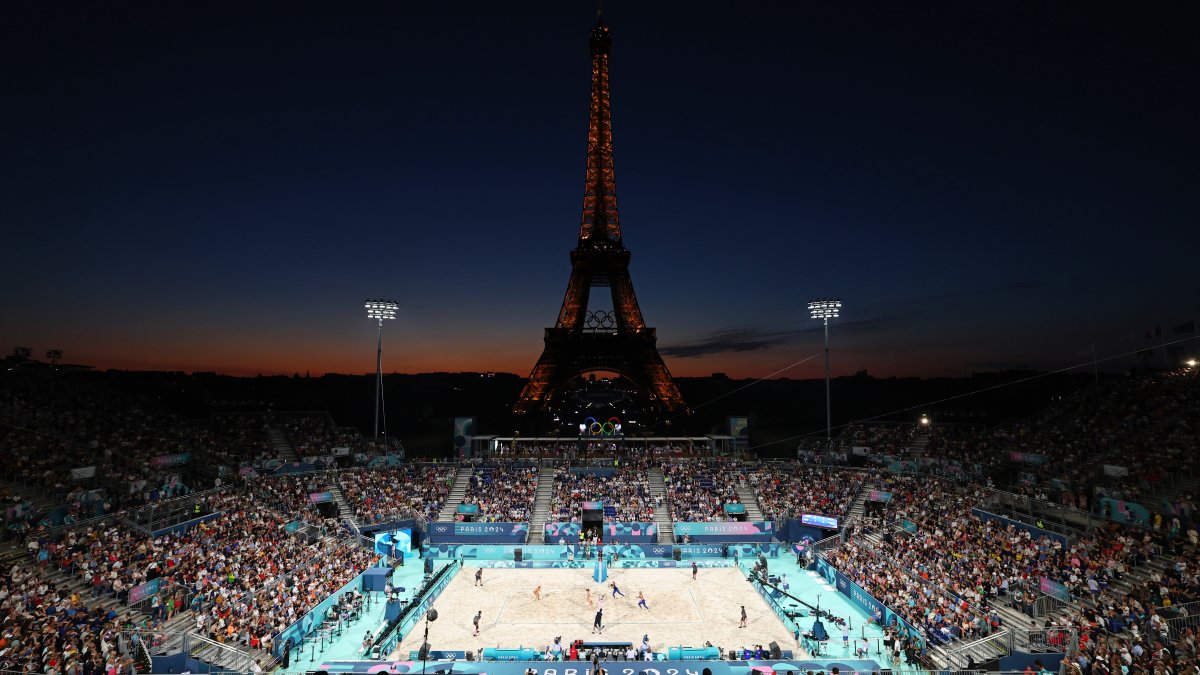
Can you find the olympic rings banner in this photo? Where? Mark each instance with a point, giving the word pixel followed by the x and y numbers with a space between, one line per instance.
pixel 759 531
pixel 600 427
pixel 478 533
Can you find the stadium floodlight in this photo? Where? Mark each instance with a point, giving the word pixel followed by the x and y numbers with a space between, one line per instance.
pixel 380 310
pixel 826 310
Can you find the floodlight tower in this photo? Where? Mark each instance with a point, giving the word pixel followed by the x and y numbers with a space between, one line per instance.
pixel 380 310
pixel 826 310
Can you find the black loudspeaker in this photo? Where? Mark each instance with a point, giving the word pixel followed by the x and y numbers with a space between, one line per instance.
pixel 733 655
pixel 678 555
pixel 775 653
pixel 429 566
pixel 518 554
pixel 423 654
pixel 470 656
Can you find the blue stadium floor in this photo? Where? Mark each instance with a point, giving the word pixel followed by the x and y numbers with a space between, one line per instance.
pixel 815 590
pixel 348 646
pixel 808 586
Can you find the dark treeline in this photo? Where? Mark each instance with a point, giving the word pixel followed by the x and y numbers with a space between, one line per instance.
pixel 421 408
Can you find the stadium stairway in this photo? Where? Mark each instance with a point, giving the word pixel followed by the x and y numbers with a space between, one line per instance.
pixel 227 656
pixel 282 446
pixel 345 510
pixel 174 629
pixel 858 509
pixel 541 506
pixel 749 499
pixel 916 448
pixel 662 511
pixel 462 480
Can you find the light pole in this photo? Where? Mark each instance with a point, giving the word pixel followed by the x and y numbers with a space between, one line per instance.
pixel 826 310
pixel 431 615
pixel 380 310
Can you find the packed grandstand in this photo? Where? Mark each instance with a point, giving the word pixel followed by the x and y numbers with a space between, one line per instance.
pixel 1099 483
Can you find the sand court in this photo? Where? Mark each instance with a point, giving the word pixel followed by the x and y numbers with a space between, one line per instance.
pixel 681 612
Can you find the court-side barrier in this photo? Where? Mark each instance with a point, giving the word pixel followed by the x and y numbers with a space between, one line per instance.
pixel 611 667
pixel 787 618
pixel 412 614
pixel 624 552
pixel 478 533
pixel 866 601
pixel 294 634
pixel 628 532
pixel 726 531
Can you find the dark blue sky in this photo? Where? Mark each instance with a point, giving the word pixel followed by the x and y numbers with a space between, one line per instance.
pixel 219 185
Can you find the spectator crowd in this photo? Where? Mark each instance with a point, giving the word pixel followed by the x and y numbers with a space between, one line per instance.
pixel 625 492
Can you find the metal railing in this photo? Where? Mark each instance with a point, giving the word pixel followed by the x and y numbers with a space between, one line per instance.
pixel 1174 611
pixel 166 595
pixel 226 657
pixel 993 646
pixel 221 654
pixel 167 512
pixel 1049 640
pixel 827 544
pixel 1177 625
pixel 1046 604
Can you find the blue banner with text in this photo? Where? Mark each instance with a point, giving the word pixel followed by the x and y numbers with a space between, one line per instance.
pixel 728 531
pixel 865 600
pixel 478 533
pixel 611 667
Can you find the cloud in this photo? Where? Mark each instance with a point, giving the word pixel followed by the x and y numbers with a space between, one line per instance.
pixel 758 338
pixel 730 340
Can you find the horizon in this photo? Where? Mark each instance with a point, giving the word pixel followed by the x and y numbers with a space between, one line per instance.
pixel 986 187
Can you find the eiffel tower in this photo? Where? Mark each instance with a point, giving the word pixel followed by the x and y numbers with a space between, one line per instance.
pixel 583 341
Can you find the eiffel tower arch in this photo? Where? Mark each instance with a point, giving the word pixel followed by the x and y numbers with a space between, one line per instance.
pixel 586 340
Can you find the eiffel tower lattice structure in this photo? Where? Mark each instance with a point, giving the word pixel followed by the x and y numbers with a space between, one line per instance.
pixel 583 341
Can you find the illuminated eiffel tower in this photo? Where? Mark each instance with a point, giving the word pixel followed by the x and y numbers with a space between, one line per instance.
pixel 583 341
